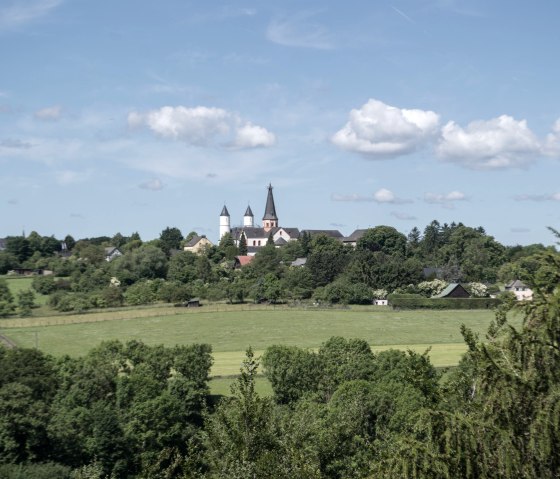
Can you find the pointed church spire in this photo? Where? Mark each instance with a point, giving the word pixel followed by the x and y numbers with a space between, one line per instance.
pixel 270 209
pixel 224 212
pixel 248 211
pixel 270 220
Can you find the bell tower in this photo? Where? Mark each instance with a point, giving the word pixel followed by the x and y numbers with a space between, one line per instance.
pixel 270 219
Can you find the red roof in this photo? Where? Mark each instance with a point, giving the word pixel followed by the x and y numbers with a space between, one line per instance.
pixel 243 260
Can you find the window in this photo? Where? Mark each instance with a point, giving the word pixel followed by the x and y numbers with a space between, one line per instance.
pixel 259 242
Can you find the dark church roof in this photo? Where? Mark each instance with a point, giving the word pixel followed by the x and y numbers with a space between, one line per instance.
pixel 224 212
pixel 331 233
pixel 270 209
pixel 248 212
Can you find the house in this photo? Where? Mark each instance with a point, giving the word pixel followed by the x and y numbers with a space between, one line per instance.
pixel 454 290
pixel 381 302
pixel 242 260
pixel 520 289
pixel 298 262
pixel 353 239
pixel 112 252
pixel 197 244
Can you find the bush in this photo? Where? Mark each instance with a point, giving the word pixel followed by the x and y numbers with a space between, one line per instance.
pixel 34 471
pixel 404 302
pixel 143 292
pixel 44 284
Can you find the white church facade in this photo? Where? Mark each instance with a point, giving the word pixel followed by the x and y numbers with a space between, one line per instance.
pixel 257 236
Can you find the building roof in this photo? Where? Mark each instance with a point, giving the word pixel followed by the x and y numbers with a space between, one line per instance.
pixel 515 284
pixel 243 260
pixel 355 236
pixel 224 212
pixel 450 288
pixel 280 242
pixel 299 262
pixel 293 233
pixel 270 209
pixel 248 211
pixel 332 233
pixel 110 250
pixel 194 241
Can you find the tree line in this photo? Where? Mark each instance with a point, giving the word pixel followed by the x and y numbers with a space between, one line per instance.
pixel 383 261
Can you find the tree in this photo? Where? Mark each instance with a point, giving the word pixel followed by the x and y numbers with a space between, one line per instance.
pixel 170 238
pixel 383 238
pixel 243 245
pixel 26 302
pixel 6 299
pixel 19 247
pixel 242 435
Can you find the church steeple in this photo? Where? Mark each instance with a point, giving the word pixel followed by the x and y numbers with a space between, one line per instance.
pixel 224 222
pixel 248 217
pixel 270 220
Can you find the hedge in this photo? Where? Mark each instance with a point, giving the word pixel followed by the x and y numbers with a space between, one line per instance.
pixel 442 303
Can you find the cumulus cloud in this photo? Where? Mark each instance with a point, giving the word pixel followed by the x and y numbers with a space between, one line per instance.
pixel 50 113
pixel 498 143
pixel 299 31
pixel 382 131
pixel 382 195
pixel 446 200
pixel 20 13
pixel 253 136
pixel 155 184
pixel 202 126
pixel 538 198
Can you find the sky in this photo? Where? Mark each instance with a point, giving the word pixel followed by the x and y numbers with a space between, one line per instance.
pixel 134 115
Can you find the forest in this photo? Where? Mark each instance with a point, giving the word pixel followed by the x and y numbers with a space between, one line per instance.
pixel 137 411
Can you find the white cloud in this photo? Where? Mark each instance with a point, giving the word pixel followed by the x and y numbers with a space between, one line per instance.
pixel 202 126
pixel 253 136
pixel 538 198
pixel 196 126
pixel 446 200
pixel 498 143
pixel 299 31
pixel 155 184
pixel 49 114
pixel 383 131
pixel 382 195
pixel 19 13
pixel 551 145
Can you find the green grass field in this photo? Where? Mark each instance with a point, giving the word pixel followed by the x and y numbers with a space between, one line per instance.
pixel 22 283
pixel 230 332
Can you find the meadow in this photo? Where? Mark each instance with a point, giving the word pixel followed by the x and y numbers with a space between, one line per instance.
pixel 231 329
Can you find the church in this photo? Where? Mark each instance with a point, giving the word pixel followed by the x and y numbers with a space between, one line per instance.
pixel 257 236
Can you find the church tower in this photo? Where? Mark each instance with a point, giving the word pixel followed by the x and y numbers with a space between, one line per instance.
pixel 224 222
pixel 270 220
pixel 248 218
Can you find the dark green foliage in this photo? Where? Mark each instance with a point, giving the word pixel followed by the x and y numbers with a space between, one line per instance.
pixel 243 246
pixel 26 302
pixel 292 372
pixel 46 470
pixel 7 306
pixel 170 238
pixel 397 301
pixel 8 261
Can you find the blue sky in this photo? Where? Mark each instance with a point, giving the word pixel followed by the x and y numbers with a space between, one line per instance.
pixel 136 115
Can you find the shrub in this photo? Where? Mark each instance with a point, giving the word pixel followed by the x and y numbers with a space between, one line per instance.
pixel 401 302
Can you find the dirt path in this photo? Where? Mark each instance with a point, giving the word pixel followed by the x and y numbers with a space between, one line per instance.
pixel 7 342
